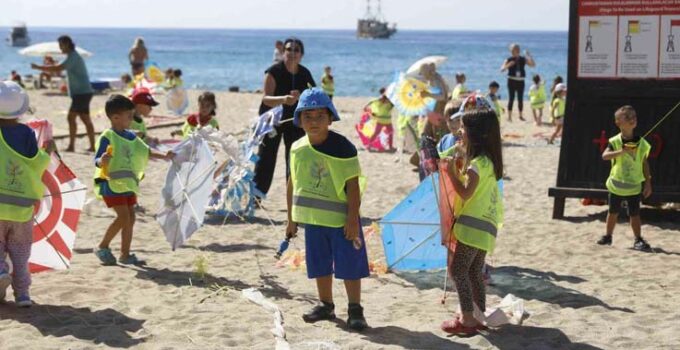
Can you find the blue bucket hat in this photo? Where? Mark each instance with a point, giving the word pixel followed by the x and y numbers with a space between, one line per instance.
pixel 314 98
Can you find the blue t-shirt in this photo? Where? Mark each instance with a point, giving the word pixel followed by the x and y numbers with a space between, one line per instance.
pixel 337 146
pixel 21 138
pixel 76 72
pixel 446 142
pixel 104 188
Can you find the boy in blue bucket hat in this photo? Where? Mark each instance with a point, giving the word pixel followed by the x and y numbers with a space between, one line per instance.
pixel 324 194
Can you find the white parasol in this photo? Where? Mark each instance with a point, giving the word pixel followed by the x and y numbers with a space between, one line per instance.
pixel 49 48
pixel 415 67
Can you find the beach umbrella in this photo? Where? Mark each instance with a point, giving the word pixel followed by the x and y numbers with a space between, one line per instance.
pixel 49 48
pixel 187 190
pixel 414 69
pixel 177 100
pixel 406 96
pixel 57 214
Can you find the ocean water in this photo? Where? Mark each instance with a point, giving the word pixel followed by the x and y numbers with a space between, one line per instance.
pixel 217 59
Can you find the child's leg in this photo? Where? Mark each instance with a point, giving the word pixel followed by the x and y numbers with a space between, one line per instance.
pixel 4 232
pixel 126 233
pixel 539 122
pixel 19 243
pixel 353 289
pixel 534 112
pixel 324 286
pixel 462 262
pixel 635 224
pixel 477 279
pixel 121 220
pixel 611 222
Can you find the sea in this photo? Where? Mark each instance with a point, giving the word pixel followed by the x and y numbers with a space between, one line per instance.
pixel 217 59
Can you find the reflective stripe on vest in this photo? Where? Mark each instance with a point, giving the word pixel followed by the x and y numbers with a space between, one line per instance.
pixel 18 201
pixel 317 203
pixel 624 185
pixel 123 174
pixel 477 224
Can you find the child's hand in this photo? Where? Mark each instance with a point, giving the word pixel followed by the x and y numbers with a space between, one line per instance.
pixel 291 229
pixel 351 229
pixel 290 100
pixel 169 155
pixel 50 146
pixel 648 189
pixel 104 159
pixel 630 151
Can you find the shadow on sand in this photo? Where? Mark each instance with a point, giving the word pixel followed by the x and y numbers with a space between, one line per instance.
pixel 108 326
pixel 661 218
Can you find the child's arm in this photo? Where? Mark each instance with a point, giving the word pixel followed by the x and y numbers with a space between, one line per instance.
pixel 291 228
pixel 465 191
pixel 157 155
pixel 610 154
pixel 647 191
pixel 353 204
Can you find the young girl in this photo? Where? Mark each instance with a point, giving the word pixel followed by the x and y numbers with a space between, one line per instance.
pixel 537 99
pixel 558 80
pixel 205 116
pixel 23 165
pixel 558 105
pixel 478 220
pixel 459 91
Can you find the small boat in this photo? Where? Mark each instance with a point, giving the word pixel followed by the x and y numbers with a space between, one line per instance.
pixel 373 25
pixel 18 36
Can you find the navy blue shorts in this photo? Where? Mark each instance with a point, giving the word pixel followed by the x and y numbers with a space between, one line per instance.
pixel 328 252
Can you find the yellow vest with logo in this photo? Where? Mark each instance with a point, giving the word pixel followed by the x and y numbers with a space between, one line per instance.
pixel 457 91
pixel 626 176
pixel 481 215
pixel 138 126
pixel 126 166
pixel 559 106
pixel 537 97
pixel 319 181
pixel 21 183
pixel 327 85
pixel 188 129
pixel 381 112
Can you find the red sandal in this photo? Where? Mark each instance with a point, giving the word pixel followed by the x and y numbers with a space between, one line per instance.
pixel 456 327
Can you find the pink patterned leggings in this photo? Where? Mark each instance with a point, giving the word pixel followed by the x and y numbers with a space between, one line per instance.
pixel 16 239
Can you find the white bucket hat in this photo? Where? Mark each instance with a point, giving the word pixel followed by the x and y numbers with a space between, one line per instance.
pixel 13 100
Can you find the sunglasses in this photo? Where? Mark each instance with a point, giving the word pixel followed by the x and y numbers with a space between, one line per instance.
pixel 293 49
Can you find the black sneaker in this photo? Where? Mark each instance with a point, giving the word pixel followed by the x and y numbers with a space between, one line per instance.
pixel 323 311
pixel 605 240
pixel 641 245
pixel 356 320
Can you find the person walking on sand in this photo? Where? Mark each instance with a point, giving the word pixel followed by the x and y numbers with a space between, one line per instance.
pixel 138 56
pixel 326 200
pixel 515 65
pixel 79 89
pixel 480 216
pixel 283 83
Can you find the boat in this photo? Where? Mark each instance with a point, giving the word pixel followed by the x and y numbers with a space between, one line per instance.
pixel 18 36
pixel 373 25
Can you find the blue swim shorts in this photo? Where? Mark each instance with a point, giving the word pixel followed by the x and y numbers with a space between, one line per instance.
pixel 328 252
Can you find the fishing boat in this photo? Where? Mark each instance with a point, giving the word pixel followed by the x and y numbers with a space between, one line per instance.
pixel 373 25
pixel 18 36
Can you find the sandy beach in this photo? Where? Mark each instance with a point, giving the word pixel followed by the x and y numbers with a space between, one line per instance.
pixel 579 295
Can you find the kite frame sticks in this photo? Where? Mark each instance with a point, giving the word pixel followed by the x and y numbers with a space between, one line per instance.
pixel 662 119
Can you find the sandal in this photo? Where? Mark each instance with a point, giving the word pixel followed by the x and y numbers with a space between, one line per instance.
pixel 105 256
pixel 131 260
pixel 456 327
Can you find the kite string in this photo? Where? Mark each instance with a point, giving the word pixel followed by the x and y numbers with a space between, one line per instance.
pixel 662 119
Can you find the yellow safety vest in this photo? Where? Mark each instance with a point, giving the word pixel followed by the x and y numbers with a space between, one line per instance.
pixel 626 176
pixel 559 106
pixel 21 182
pixel 188 129
pixel 327 85
pixel 138 126
pixel 458 90
pixel 481 215
pixel 381 112
pixel 537 97
pixel 319 180
pixel 126 166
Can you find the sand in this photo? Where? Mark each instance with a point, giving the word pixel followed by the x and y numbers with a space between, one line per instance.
pixel 580 295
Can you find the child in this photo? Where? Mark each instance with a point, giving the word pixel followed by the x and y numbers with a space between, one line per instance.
pixel 327 83
pixel 481 214
pixel 144 103
pixel 21 187
pixel 495 98
pixel 558 80
pixel 447 145
pixel 119 170
pixel 324 195
pixel 126 79
pixel 177 78
pixel 459 91
pixel 559 105
pixel 381 113
pixel 537 99
pixel 628 155
pixel 205 116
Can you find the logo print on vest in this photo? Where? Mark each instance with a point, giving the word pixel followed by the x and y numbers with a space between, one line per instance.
pixel 14 173
pixel 319 171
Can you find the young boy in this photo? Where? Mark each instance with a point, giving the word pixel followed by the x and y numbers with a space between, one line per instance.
pixel 447 145
pixel 559 106
pixel 324 195
pixel 628 155
pixel 537 99
pixel 495 99
pixel 120 159
pixel 327 83
pixel 144 103
pixel 23 165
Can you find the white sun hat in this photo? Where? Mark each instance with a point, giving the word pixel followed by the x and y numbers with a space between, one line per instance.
pixel 13 100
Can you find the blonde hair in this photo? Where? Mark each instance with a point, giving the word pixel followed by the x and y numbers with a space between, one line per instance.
pixel 452 107
pixel 139 43
pixel 626 112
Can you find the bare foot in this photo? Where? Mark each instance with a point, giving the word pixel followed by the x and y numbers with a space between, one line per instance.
pixel 91 149
pixel 70 149
pixel 522 118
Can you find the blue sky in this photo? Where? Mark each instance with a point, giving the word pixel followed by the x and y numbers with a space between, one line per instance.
pixel 284 14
